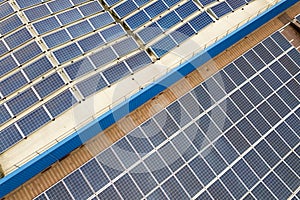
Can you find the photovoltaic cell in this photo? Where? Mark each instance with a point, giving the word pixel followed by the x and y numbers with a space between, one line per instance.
pixel 49 85
pixel 8 137
pixel 91 85
pixel 9 24
pixel 116 72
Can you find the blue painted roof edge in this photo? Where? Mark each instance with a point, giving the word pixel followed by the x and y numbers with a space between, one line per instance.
pixel 63 148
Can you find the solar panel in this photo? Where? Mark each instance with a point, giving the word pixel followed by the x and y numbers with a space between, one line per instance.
pixel 137 20
pixel 141 2
pixel 25 3
pixel 79 68
pixel 60 103
pixel 33 121
pixel 27 52
pixel 56 38
pixel 113 32
pixel 12 83
pixel 103 57
pixel 5 115
pixel 59 5
pixel 156 8
pixel 7 64
pixel 150 32
pixel 8 137
pixel 91 8
pixel 235 4
pixel 182 33
pixel 67 53
pixel 91 85
pixel 171 3
pixel 9 24
pixel 22 101
pixel 37 12
pixel 38 68
pixel 46 25
pixel 186 9
pixel 101 20
pixel 80 29
pixel 69 16
pixel 221 9
pixel 125 46
pixel 5 10
pixel 116 72
pixel 111 2
pixel 200 21
pixel 169 20
pixel 163 46
pixel 206 2
pixel 18 38
pixel 138 61
pixel 48 85
pixel 3 48
pixel 125 8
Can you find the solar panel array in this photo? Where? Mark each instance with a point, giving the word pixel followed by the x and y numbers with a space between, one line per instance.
pixel 45 45
pixel 234 136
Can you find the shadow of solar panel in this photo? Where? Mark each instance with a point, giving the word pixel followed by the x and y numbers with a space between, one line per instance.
pixel 91 85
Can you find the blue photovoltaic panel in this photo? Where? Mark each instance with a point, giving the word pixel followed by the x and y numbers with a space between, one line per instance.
pixel 163 46
pixel 169 20
pixel 3 48
pixel 183 33
pixel 9 24
pixel 201 21
pixel 80 29
pixel 18 38
pixel 56 38
pixel 206 2
pixel 91 42
pixel 141 2
pixel 103 57
pixel 235 4
pixel 137 20
pixel 8 137
pixel 5 116
pixel 58 191
pixel 61 103
pixel 7 64
pixel 49 85
pixel 58 5
pixel 37 12
pixel 67 53
pixel 33 121
pixel 111 2
pixel 5 10
pixel 186 9
pixel 79 68
pixel 101 20
pixel 91 85
pixel 12 83
pixel 39 67
pixel 281 40
pixel 69 16
pixel 26 3
pixel 116 72
pixel 91 8
pixel 150 32
pixel 156 8
pixel 78 1
pixel 22 101
pixel 125 46
pixel 27 52
pixel 46 25
pixel 221 9
pixel 112 33
pixel 125 8
pixel 171 3
pixel 138 61
pixel 295 55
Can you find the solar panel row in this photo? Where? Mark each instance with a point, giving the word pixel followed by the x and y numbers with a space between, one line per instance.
pixel 234 136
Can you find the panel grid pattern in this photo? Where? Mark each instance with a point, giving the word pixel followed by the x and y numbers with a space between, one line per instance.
pixel 230 151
